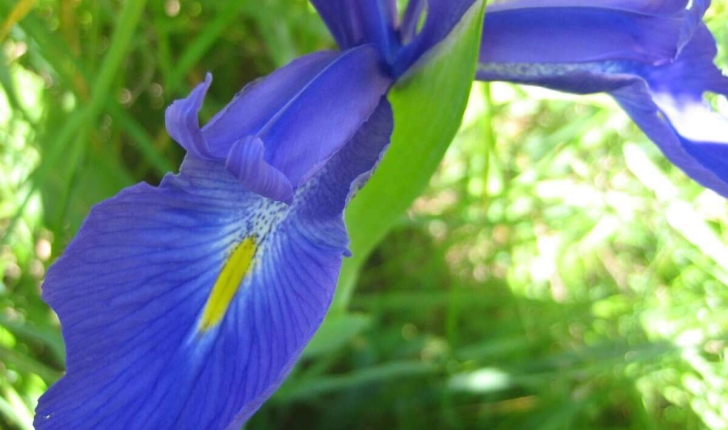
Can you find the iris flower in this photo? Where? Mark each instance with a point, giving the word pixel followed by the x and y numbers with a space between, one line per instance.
pixel 185 305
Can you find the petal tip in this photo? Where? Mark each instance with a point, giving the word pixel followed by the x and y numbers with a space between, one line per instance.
pixel 183 124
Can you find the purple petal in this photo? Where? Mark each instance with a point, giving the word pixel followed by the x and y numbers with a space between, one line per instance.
pixel 668 105
pixel 644 6
pixel 325 114
pixel 303 114
pixel 564 34
pixel 665 99
pixel 705 161
pixel 442 17
pixel 183 124
pixel 252 108
pixel 357 22
pixel 132 287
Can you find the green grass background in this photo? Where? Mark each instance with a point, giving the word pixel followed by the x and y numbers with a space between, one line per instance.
pixel 558 273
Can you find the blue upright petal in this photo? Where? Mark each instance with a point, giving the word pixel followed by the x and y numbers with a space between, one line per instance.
pixel 184 306
pixel 301 115
pixel 358 22
pixel 326 113
pixel 253 107
pixel 658 71
pixel 442 17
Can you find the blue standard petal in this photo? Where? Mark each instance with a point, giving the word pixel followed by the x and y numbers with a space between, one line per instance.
pixel 295 119
pixel 356 22
pixel 654 57
pixel 375 22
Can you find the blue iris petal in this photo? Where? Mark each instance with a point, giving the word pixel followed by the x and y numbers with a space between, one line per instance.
pixel 297 118
pixel 131 288
pixel 578 34
pixel 442 17
pixel 358 22
pixel 253 107
pixel 326 113
pixel 355 78
pixel 184 306
pixel 654 58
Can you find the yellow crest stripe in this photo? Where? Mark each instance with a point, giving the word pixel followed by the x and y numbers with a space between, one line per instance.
pixel 227 284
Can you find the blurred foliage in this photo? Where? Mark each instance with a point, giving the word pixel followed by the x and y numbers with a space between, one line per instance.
pixel 557 274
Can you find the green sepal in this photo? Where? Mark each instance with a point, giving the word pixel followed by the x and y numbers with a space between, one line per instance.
pixel 428 104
